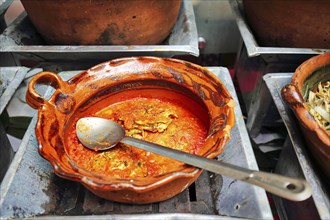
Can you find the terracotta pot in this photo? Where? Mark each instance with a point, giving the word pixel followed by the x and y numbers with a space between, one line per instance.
pixel 306 77
pixel 101 85
pixel 293 24
pixel 116 22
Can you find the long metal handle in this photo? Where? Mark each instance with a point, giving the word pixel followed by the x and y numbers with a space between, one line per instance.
pixel 286 187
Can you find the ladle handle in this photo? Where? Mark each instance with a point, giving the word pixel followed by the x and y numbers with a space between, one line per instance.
pixel 286 187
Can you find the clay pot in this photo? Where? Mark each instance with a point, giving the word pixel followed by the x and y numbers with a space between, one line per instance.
pixel 99 86
pixel 293 24
pixel 116 22
pixel 306 77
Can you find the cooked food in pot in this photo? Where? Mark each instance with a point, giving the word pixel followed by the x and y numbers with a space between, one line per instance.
pixel 318 103
pixel 164 122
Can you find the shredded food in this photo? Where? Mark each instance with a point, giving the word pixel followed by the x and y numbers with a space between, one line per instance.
pixel 318 103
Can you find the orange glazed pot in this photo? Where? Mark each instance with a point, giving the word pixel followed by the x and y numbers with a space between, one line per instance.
pixel 105 22
pixel 101 86
pixel 306 77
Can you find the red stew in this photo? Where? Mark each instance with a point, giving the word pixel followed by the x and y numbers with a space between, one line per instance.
pixel 163 122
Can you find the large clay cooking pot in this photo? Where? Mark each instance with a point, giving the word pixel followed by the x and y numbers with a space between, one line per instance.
pixel 294 23
pixel 112 82
pixel 116 22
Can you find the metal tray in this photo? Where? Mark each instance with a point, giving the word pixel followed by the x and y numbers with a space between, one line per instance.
pixel 22 39
pixel 275 82
pixel 31 189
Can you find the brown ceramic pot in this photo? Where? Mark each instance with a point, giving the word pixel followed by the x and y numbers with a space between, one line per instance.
pixel 293 23
pixel 116 22
pixel 306 77
pixel 96 86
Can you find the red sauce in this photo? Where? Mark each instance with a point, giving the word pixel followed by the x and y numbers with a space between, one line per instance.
pixel 167 123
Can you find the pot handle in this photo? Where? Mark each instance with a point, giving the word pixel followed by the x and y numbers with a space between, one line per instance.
pixel 291 96
pixel 296 102
pixel 33 98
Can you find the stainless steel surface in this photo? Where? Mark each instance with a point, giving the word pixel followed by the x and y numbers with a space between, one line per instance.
pixel 6 152
pixel 10 79
pixel 254 61
pixel 102 134
pixel 30 187
pixel 23 41
pixel 167 216
pixel 320 185
pixel 288 165
pixel 4 4
pixel 216 24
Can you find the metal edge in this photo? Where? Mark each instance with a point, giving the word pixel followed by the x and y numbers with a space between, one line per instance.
pixel 161 216
pixel 249 41
pixel 112 49
pixel 4 5
pixel 189 12
pixel 7 180
pixel 253 49
pixel 191 48
pixel 13 85
pixel 260 194
pixel 322 203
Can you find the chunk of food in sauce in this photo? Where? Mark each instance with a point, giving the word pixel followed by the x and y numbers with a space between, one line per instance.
pixel 162 122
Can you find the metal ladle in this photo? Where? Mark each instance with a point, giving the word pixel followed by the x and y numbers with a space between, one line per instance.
pixel 101 134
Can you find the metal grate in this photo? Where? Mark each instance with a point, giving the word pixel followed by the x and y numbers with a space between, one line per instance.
pixel 72 198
